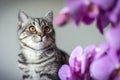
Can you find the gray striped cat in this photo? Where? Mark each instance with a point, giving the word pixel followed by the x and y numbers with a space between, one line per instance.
pixel 39 58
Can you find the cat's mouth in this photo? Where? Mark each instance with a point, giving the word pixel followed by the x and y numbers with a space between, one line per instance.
pixel 41 39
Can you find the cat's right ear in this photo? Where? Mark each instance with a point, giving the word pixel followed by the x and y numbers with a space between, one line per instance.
pixel 22 17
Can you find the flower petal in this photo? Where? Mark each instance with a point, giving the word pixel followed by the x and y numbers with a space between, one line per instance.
pixel 102 22
pixel 63 16
pixel 75 55
pixel 104 4
pixel 102 68
pixel 89 49
pixel 114 15
pixel 101 50
pixel 65 72
pixel 117 78
pixel 62 19
pixel 113 37
pixel 89 53
pixel 87 20
pixel 113 55
pixel 93 11
pixel 77 8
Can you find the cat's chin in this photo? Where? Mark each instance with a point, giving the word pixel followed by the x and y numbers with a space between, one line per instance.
pixel 41 47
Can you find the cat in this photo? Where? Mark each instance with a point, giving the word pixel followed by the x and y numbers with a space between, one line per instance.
pixel 39 57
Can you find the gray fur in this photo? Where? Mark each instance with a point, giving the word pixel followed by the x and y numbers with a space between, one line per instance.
pixel 39 58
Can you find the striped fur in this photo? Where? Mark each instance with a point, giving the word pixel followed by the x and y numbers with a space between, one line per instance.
pixel 39 58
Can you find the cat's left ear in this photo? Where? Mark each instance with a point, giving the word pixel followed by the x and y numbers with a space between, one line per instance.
pixel 22 17
pixel 49 16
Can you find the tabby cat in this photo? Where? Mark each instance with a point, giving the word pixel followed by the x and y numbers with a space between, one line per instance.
pixel 39 57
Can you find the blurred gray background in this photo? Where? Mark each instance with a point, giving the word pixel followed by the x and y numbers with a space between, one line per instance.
pixel 67 37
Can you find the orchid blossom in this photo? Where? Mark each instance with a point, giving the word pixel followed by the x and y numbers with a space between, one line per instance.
pixel 104 11
pixel 101 62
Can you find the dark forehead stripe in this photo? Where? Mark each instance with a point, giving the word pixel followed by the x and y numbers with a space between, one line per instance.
pixel 35 20
pixel 38 20
pixel 41 21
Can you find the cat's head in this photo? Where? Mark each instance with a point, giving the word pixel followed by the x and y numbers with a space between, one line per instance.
pixel 36 33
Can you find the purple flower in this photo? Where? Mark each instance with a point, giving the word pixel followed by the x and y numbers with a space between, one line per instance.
pixel 114 14
pixel 65 73
pixel 108 14
pixel 72 71
pixel 102 22
pixel 104 4
pixel 63 17
pixel 106 65
pixel 93 63
pixel 113 37
pixel 79 63
pixel 76 10
pixel 104 11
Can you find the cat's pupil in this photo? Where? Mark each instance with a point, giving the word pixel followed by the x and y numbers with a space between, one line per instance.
pixel 47 29
pixel 32 29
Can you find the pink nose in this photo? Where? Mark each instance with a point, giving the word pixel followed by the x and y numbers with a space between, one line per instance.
pixel 41 34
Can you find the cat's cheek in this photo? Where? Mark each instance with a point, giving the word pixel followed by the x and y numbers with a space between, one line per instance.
pixel 36 39
pixel 23 35
pixel 47 41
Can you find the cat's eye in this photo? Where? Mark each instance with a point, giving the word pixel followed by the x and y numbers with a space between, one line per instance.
pixel 32 29
pixel 47 29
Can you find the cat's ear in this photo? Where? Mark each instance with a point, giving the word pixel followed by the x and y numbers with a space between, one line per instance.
pixel 22 17
pixel 49 16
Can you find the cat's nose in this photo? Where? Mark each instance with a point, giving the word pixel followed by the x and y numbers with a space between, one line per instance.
pixel 41 34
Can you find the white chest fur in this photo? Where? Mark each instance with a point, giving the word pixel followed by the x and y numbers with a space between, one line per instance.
pixel 31 55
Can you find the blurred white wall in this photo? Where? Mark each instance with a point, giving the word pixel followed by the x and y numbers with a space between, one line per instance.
pixel 67 38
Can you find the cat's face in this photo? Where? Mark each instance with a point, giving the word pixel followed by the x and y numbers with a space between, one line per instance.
pixel 36 33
